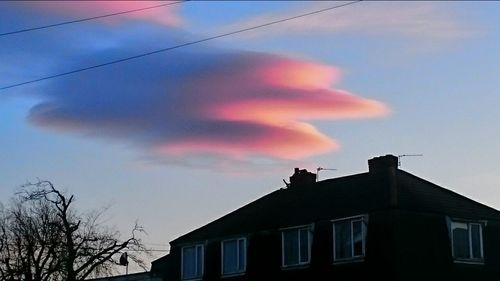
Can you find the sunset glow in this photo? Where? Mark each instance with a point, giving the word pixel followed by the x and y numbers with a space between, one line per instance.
pixel 183 129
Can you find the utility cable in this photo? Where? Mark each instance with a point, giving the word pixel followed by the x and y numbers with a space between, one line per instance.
pixel 178 46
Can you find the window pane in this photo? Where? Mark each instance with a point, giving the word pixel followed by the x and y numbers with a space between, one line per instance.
pixel 199 261
pixel 230 256
pixel 357 234
pixel 291 247
pixel 476 241
pixel 343 240
pixel 460 240
pixel 188 262
pixel 242 255
pixel 304 245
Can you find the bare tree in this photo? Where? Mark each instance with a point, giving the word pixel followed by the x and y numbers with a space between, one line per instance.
pixel 29 241
pixel 43 237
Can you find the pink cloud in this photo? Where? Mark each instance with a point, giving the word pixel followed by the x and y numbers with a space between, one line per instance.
pixel 166 15
pixel 190 102
pixel 276 92
pixel 231 104
pixel 310 96
pixel 300 74
pixel 286 141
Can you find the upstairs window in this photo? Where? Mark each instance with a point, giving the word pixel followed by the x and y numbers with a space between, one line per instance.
pixel 467 241
pixel 192 262
pixel 349 238
pixel 234 256
pixel 296 246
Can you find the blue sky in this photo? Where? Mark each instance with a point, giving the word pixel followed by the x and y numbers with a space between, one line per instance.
pixel 178 139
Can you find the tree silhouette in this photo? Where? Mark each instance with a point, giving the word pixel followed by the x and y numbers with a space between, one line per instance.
pixel 43 237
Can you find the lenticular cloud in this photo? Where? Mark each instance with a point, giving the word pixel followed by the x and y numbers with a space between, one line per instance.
pixel 188 102
pixel 232 104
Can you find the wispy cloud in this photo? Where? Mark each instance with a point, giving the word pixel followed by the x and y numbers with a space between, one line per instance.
pixel 425 22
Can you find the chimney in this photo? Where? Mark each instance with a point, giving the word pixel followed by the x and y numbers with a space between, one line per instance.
pixel 301 178
pixel 384 167
pixel 382 163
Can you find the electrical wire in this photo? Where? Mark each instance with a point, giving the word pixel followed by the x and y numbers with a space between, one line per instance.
pixel 90 18
pixel 178 46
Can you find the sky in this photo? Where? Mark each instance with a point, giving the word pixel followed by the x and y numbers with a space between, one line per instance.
pixel 179 138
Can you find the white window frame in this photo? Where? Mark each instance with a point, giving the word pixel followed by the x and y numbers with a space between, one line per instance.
pixel 241 272
pixel 353 258
pixel 196 246
pixel 309 228
pixel 470 259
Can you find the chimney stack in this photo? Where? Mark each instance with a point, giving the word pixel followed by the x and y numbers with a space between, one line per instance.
pixel 382 163
pixel 385 167
pixel 302 178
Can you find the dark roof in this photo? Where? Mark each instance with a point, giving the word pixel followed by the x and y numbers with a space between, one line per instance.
pixel 341 197
pixel 326 199
pixel 140 276
pixel 160 266
pixel 420 195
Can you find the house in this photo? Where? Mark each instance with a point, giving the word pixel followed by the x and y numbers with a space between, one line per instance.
pixel 385 224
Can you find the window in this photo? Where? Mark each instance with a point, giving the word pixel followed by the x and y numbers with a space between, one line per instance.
pixel 233 256
pixel 192 262
pixel 349 236
pixel 296 246
pixel 467 241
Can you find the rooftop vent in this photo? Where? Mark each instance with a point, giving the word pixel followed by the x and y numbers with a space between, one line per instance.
pixel 302 178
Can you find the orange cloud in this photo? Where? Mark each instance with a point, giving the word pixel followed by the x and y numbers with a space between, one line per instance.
pixel 274 94
pixel 287 89
pixel 289 141
pixel 300 74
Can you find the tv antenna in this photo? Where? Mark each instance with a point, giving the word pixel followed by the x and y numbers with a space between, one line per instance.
pixel 321 169
pixel 406 155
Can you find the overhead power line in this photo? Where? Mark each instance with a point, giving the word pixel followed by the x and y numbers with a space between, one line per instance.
pixel 91 18
pixel 178 46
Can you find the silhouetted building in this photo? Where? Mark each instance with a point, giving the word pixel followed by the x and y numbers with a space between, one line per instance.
pixel 386 224
pixel 142 276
